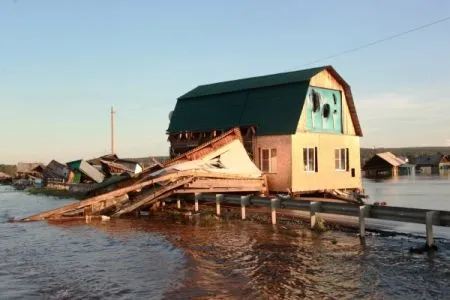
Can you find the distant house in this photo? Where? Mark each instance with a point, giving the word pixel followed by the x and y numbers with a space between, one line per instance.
pixel 107 157
pixel 80 171
pixel 387 164
pixel 300 128
pixel 131 165
pixel 444 165
pixel 56 171
pixel 29 170
pixel 120 166
pixel 5 178
pixel 428 164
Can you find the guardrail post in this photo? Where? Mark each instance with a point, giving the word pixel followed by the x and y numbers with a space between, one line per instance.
pixel 244 202
pixel 197 197
pixel 219 198
pixel 274 203
pixel 178 202
pixel 314 207
pixel 429 220
pixel 362 224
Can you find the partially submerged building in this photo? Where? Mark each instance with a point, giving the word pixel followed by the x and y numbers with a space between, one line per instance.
pixel 386 164
pixel 56 172
pixel 5 178
pixel 300 128
pixel 29 170
pixel 444 165
pixel 429 164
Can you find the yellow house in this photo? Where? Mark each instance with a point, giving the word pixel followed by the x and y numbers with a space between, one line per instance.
pixel 300 128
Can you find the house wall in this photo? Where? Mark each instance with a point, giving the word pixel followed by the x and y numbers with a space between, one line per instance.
pixel 327 176
pixel 280 180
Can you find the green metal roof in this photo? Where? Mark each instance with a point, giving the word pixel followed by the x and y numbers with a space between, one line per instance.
pixel 272 103
pixel 252 83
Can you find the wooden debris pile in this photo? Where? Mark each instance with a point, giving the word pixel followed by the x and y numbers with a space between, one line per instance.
pixel 219 166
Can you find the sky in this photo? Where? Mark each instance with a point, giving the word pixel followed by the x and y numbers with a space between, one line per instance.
pixel 64 63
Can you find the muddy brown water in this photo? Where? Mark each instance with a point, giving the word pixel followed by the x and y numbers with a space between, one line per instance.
pixel 203 258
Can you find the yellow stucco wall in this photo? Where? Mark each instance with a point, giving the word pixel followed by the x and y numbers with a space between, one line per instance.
pixel 326 177
pixel 280 180
pixel 290 172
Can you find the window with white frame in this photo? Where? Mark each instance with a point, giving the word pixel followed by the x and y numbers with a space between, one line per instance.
pixel 341 159
pixel 310 159
pixel 268 160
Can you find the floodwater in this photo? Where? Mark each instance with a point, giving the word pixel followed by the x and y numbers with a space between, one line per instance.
pixel 166 258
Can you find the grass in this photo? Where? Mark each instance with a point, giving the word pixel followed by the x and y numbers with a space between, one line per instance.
pixel 64 194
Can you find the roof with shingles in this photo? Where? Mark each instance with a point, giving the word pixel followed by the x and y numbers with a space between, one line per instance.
pixel 272 103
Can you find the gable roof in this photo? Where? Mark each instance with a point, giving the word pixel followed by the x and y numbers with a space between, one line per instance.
pixel 391 159
pixel 27 167
pixel 272 103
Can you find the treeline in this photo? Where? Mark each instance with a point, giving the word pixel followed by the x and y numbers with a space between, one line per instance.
pixel 8 169
pixel 412 153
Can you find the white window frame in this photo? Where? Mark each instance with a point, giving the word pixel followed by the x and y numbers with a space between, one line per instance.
pixel 307 167
pixel 340 159
pixel 272 160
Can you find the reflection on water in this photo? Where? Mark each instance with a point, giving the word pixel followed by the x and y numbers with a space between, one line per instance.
pixel 194 259
pixel 431 192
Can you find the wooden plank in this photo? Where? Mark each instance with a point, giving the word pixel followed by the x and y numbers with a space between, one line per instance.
pixel 155 195
pixel 218 183
pixel 90 201
pixel 216 190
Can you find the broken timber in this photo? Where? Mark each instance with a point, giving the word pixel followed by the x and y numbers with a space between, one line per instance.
pixel 198 171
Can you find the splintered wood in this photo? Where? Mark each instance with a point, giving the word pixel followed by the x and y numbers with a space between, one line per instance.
pixel 151 188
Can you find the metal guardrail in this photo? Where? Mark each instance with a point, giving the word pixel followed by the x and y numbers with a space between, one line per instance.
pixel 402 214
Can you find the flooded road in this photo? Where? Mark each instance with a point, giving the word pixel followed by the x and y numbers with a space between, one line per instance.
pixel 163 258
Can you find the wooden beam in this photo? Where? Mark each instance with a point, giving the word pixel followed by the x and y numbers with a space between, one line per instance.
pixel 90 201
pixel 217 190
pixel 155 195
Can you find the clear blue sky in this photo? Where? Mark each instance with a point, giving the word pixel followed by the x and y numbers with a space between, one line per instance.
pixel 63 63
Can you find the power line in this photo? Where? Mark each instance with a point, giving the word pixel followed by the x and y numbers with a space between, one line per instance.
pixel 379 41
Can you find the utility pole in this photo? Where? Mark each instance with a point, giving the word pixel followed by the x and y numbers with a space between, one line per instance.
pixel 112 130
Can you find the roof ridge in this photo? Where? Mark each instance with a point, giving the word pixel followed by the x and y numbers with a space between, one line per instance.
pixel 266 75
pixel 254 82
